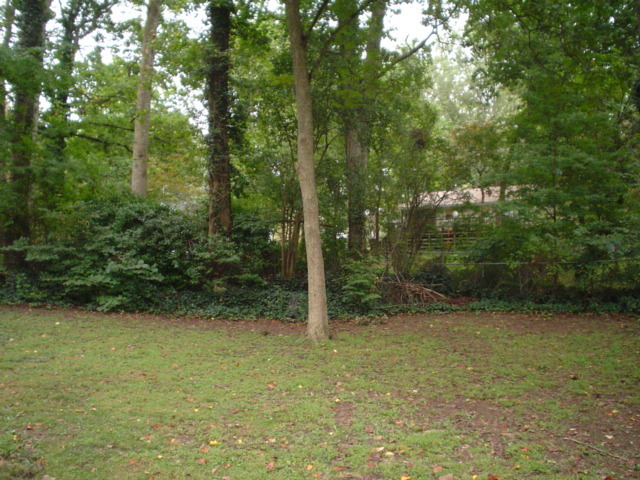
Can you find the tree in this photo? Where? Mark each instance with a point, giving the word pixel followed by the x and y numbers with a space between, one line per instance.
pixel 218 103
pixel 77 20
pixel 32 16
pixel 318 320
pixel 143 101
pixel 574 147
pixel 8 17
pixel 360 87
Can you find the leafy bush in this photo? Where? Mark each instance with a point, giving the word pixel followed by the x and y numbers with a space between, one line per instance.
pixel 118 253
pixel 252 237
pixel 359 284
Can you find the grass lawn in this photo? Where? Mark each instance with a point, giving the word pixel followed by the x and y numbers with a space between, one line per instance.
pixel 459 396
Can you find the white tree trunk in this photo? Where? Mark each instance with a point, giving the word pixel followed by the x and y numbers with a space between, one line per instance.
pixel 317 323
pixel 143 102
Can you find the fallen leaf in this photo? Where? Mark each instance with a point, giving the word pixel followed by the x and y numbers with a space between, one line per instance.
pixel 309 467
pixel 438 468
pixel 270 465
pixel 202 461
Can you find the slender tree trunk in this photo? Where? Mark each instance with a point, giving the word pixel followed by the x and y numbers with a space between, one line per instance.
pixel 143 102
pixel 7 21
pixel 31 21
pixel 357 158
pixel 66 58
pixel 219 168
pixel 318 322
pixel 290 246
pixel 357 132
pixel 638 17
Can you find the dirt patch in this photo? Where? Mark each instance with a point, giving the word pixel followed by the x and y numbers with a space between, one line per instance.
pixel 523 323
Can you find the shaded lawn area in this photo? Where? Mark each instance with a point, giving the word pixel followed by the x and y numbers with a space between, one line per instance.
pixel 458 396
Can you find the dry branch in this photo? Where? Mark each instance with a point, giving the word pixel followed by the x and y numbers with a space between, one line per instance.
pixel 404 292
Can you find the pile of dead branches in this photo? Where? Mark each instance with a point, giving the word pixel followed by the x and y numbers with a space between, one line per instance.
pixel 402 292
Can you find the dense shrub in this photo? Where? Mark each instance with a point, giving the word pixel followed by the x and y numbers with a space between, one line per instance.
pixel 119 253
pixel 252 237
pixel 359 284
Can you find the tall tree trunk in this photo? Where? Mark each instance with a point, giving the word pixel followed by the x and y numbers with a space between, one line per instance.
pixel 356 151
pixel 357 132
pixel 318 320
pixel 219 167
pixel 7 25
pixel 143 102
pixel 31 21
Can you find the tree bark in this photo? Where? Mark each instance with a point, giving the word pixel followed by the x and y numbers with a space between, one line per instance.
pixel 318 322
pixel 7 20
pixel 143 102
pixel 356 152
pixel 290 242
pixel 218 102
pixel 31 21
pixel 357 132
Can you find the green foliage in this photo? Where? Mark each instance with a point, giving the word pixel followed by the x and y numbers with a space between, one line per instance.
pixel 252 236
pixel 359 284
pixel 118 253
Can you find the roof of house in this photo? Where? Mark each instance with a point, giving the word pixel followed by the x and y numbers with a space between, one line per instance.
pixel 464 196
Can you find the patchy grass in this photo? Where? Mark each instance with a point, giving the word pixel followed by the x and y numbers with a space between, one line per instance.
pixel 472 396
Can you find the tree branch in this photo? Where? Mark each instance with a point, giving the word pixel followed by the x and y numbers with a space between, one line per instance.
pixel 319 13
pixel 420 45
pixel 406 55
pixel 334 34
pixel 109 125
pixel 103 142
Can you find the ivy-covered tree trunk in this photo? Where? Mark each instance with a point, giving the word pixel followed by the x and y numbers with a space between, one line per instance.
pixel 31 20
pixel 318 320
pixel 143 102
pixel 218 102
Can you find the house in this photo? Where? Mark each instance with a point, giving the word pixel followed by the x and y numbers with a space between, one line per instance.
pixel 457 218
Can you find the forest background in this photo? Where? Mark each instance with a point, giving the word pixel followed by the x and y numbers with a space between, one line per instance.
pixel 288 160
